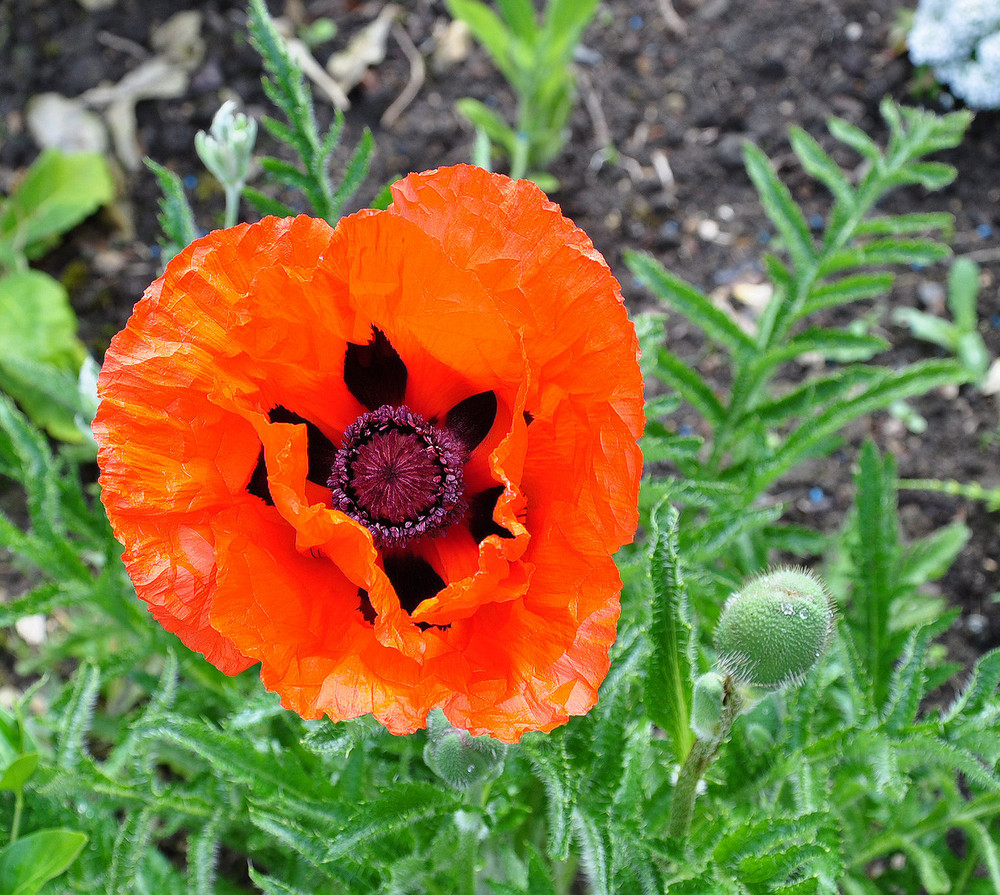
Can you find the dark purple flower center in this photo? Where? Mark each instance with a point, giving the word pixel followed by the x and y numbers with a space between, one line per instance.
pixel 398 475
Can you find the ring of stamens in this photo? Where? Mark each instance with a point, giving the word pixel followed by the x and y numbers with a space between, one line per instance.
pixel 398 475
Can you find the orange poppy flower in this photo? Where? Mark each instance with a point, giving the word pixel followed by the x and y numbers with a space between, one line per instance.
pixel 388 461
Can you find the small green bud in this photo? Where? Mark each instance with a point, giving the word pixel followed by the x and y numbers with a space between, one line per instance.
pixel 706 704
pixel 459 758
pixel 226 148
pixel 774 630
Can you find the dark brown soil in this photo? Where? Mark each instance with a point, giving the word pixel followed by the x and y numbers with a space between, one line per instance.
pixel 676 109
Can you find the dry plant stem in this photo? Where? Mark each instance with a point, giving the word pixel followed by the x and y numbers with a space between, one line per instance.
pixel 418 72
pixel 699 758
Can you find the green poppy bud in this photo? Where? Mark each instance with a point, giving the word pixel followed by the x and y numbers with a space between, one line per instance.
pixel 706 704
pixel 459 758
pixel 774 630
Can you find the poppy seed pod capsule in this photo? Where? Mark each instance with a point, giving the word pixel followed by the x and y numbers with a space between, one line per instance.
pixel 457 757
pixel 774 630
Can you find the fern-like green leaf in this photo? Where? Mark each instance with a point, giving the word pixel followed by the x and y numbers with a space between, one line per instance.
pixel 786 216
pixel 689 301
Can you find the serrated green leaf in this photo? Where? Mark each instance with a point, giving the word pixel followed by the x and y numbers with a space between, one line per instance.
pixel 883 252
pixel 933 876
pixel 550 760
pixel 979 690
pixel 669 668
pixel 689 301
pixel 689 384
pixel 840 345
pixel 890 386
pixel 818 164
pixel 267 205
pixel 355 172
pixel 930 175
pixel 901 224
pixel 963 289
pixel 594 852
pixel 404 805
pixel 176 219
pixel 777 201
pixel 847 289
pixel 815 393
pixel 854 137
pixel 271 886
pixel 77 717
pixel 930 557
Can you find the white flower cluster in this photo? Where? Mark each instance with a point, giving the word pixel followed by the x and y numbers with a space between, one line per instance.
pixel 960 40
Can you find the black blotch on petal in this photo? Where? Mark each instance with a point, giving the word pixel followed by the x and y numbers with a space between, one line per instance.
pixel 413 578
pixel 481 522
pixel 471 420
pixel 320 449
pixel 528 418
pixel 365 607
pixel 257 485
pixel 374 373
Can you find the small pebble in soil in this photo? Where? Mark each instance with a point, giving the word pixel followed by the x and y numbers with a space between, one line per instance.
pixel 815 222
pixel 190 181
pixel 816 495
pixel 853 31
pixel 985 231
pixel 635 23
pixel 685 430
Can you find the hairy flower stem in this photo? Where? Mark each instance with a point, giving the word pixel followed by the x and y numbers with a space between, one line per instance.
pixel 698 759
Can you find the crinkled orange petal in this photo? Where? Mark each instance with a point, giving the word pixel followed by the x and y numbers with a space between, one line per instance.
pixel 479 284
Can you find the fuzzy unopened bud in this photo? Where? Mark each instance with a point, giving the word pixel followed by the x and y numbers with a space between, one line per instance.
pixel 706 705
pixel 459 758
pixel 774 630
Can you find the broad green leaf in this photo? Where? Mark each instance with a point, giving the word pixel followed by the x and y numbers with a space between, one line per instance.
pixel 564 22
pixel 520 16
pixel 786 216
pixel 17 773
pixel 57 193
pixel 928 327
pixel 495 127
pixel 689 301
pixel 670 666
pixel 30 862
pixel 963 289
pixel 489 29
pixel 39 351
pixel 36 321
